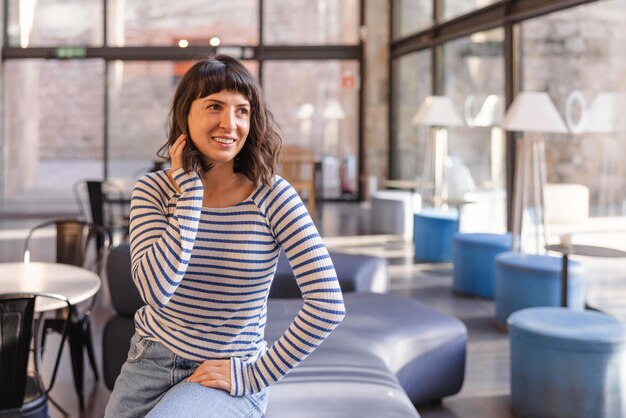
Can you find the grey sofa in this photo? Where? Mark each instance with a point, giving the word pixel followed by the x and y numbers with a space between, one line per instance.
pixel 389 353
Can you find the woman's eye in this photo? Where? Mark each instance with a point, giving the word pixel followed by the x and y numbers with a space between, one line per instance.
pixel 244 111
pixel 213 107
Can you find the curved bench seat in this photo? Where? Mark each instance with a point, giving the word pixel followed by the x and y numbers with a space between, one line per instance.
pixel 388 354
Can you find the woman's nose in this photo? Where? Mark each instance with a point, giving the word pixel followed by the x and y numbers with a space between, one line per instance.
pixel 228 119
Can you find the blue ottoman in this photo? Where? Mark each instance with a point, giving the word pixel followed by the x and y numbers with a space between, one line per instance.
pixel 473 256
pixel 567 364
pixel 527 280
pixel 433 230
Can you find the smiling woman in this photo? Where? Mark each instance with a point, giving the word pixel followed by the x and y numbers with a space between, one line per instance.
pixel 205 237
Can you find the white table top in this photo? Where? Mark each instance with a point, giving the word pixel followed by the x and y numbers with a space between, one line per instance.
pixel 75 283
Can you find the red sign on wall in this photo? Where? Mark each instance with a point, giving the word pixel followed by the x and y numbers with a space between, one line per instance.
pixel 348 81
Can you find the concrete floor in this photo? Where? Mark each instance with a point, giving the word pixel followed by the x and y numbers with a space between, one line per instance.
pixel 485 393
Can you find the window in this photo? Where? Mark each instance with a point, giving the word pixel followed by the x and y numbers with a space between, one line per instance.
pixel 133 22
pixel 311 22
pixel 411 16
pixel 54 126
pixel 412 84
pixel 454 8
pixel 586 45
pixel 474 81
pixel 39 23
pixel 316 106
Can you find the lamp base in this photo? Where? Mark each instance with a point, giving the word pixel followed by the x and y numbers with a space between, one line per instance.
pixel 529 226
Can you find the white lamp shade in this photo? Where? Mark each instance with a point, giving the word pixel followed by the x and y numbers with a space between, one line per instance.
pixel 533 112
pixel 491 111
pixel 305 111
pixel 437 111
pixel 602 117
pixel 334 111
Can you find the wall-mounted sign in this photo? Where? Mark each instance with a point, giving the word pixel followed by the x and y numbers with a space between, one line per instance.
pixel 67 52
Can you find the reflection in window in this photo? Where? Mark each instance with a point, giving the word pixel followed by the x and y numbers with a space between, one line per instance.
pixel 133 22
pixel 586 90
pixel 454 8
pixel 54 126
pixel 316 106
pixel 577 56
pixel 474 81
pixel 411 85
pixel 311 22
pixel 55 23
pixel 410 16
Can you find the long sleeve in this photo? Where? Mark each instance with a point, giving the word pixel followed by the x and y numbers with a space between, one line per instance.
pixel 323 307
pixel 163 227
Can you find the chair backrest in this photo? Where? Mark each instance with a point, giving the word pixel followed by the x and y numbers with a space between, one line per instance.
pixel 16 324
pixel 124 295
pixel 94 199
pixel 297 166
pixel 16 331
pixel 72 241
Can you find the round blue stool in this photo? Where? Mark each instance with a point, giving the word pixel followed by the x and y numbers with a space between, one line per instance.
pixel 473 256
pixel 567 364
pixel 433 230
pixel 527 280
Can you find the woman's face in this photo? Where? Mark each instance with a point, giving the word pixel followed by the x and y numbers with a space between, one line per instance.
pixel 219 124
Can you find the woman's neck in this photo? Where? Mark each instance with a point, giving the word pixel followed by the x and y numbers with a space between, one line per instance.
pixel 220 178
pixel 223 187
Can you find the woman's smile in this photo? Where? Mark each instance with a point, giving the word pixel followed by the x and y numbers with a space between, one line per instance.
pixel 224 140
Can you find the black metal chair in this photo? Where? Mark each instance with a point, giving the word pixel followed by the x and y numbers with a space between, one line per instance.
pixel 120 327
pixel 73 238
pixel 103 203
pixel 22 391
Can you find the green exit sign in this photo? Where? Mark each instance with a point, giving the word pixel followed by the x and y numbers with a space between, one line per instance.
pixel 70 52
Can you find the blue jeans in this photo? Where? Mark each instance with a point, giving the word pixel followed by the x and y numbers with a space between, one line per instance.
pixel 152 383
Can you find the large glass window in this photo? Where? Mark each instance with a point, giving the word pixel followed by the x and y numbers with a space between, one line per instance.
pixel 134 22
pixel 54 23
pixel 311 22
pixel 54 124
pixel 316 105
pixel 412 84
pixel 410 16
pixel 577 56
pixel 474 82
pixel 139 92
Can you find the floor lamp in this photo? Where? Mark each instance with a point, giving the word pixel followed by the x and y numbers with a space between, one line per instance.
pixel 438 113
pixel 532 113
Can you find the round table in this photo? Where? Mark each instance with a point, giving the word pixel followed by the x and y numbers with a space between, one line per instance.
pixel 585 250
pixel 75 283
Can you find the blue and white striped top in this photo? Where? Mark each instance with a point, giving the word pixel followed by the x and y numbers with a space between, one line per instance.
pixel 205 274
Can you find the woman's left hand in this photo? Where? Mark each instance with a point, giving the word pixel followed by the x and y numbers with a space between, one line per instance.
pixel 213 374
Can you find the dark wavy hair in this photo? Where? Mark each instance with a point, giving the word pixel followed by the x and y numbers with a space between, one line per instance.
pixel 258 158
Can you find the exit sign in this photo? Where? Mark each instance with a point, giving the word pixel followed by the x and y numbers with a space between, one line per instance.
pixel 70 52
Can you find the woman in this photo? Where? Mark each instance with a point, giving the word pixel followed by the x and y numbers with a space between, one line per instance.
pixel 205 237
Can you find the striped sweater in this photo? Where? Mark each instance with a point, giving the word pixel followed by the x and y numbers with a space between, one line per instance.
pixel 205 274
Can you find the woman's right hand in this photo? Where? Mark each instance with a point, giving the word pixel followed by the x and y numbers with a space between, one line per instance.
pixel 176 157
pixel 176 152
